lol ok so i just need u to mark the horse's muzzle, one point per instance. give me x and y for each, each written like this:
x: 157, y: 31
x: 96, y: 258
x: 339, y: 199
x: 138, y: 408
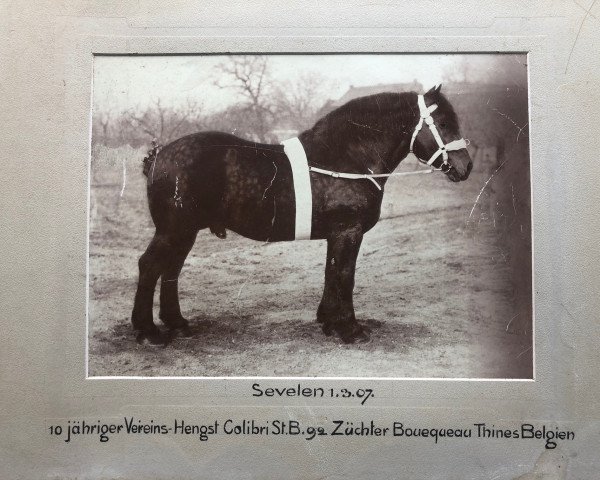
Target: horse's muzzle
x: 455, y: 176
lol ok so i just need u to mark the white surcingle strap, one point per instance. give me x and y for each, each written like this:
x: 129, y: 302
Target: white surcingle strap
x: 302, y: 190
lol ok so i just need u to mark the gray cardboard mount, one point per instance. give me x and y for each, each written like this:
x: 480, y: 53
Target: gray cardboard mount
x: 46, y: 57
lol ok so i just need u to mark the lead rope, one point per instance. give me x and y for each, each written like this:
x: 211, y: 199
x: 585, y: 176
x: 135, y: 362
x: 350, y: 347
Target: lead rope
x: 367, y: 176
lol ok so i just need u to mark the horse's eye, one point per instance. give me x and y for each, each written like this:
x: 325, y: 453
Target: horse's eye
x: 443, y: 125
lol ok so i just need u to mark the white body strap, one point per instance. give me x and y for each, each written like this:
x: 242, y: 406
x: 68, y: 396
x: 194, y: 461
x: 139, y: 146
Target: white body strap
x: 302, y: 189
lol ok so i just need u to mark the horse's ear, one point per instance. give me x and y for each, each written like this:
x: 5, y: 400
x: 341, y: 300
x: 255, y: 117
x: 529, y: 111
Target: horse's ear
x: 435, y: 89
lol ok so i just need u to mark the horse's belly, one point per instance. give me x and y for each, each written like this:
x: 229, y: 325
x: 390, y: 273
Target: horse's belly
x: 258, y: 201
x: 260, y: 222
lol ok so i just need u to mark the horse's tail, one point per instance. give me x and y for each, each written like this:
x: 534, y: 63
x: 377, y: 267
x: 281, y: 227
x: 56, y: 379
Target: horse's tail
x: 151, y: 157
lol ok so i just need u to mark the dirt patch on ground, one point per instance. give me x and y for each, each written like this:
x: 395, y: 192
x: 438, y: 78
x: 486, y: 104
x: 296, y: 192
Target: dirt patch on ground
x: 433, y: 283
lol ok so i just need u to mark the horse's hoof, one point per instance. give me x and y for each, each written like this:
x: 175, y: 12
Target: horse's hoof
x: 219, y: 231
x: 359, y: 334
x: 363, y: 338
x: 173, y: 321
x: 152, y: 339
x: 180, y: 332
x: 327, y: 328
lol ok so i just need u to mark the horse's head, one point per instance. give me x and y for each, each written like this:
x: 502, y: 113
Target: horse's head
x: 440, y: 145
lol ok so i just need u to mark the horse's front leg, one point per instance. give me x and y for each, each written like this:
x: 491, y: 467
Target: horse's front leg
x: 336, y: 310
x: 329, y: 302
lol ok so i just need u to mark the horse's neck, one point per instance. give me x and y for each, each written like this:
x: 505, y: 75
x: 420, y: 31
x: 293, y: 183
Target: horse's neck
x: 378, y: 151
x: 393, y: 156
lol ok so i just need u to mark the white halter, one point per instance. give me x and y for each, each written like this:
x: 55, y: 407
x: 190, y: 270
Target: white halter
x: 443, y: 148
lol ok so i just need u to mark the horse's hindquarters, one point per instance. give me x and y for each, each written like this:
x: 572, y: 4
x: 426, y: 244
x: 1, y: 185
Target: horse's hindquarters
x: 220, y: 181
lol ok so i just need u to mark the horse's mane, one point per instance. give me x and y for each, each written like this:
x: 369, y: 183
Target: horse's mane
x: 373, y: 108
x: 370, y: 108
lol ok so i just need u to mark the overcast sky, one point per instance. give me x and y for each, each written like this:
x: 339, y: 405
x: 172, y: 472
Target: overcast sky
x: 123, y: 82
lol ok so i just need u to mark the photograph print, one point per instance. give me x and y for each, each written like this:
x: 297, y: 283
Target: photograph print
x: 339, y: 215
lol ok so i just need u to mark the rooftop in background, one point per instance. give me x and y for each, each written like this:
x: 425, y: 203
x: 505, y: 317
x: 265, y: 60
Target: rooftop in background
x: 356, y: 92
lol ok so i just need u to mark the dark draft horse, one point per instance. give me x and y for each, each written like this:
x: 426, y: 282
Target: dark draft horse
x: 218, y: 181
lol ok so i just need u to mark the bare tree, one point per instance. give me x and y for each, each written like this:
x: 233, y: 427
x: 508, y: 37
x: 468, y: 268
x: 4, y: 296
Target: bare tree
x: 248, y: 75
x: 166, y: 124
x: 297, y: 103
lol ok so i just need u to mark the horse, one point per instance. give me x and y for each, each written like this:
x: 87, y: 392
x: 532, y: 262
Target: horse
x: 222, y: 182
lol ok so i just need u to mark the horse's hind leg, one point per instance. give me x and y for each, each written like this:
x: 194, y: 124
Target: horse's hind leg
x: 170, y: 312
x: 150, y: 264
x: 164, y: 256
